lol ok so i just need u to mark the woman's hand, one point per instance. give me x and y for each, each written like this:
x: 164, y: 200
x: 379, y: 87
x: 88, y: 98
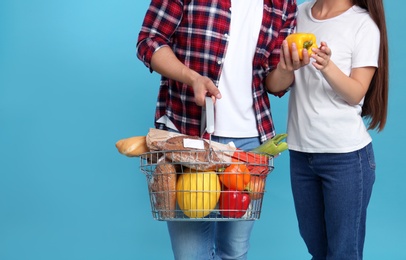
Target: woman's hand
x: 351, y: 88
x: 321, y: 56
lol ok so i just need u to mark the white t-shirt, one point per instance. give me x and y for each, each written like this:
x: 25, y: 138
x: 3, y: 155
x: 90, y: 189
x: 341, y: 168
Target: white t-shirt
x: 234, y: 113
x: 319, y: 120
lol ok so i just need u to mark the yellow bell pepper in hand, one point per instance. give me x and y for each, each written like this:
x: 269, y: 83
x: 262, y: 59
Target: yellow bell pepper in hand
x: 302, y: 41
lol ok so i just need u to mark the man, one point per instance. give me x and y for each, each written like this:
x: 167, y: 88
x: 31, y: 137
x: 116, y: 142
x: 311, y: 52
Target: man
x: 233, y: 51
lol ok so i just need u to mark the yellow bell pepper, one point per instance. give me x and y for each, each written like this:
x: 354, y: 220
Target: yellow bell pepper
x: 197, y: 192
x: 302, y: 41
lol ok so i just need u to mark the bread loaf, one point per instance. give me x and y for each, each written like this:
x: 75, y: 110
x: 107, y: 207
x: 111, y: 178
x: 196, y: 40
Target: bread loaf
x: 201, y: 159
x: 133, y: 146
x: 162, y: 187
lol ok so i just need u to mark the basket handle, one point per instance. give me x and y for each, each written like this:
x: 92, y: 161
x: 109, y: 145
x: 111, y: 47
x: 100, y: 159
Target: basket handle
x: 207, y: 119
x: 209, y: 115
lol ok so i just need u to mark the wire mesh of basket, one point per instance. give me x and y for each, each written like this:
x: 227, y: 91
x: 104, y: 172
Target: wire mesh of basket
x: 206, y: 185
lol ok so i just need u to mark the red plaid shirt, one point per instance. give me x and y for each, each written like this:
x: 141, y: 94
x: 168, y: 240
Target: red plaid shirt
x: 197, y: 33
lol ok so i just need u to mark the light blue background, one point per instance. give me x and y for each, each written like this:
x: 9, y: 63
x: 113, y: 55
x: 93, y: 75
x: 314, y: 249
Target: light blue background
x: 71, y: 86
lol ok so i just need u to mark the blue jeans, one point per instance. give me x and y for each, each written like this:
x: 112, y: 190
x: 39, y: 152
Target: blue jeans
x: 211, y: 240
x: 331, y: 193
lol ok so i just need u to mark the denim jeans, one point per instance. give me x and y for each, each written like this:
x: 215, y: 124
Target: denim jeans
x: 331, y: 193
x: 211, y: 240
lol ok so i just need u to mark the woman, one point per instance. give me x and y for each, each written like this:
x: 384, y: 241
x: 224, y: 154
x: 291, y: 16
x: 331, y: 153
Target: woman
x: 331, y: 156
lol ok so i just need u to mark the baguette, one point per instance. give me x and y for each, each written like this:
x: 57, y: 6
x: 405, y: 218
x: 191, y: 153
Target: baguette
x: 132, y: 146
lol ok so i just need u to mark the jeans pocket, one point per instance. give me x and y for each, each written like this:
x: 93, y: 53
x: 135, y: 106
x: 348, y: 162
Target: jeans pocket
x: 370, y: 155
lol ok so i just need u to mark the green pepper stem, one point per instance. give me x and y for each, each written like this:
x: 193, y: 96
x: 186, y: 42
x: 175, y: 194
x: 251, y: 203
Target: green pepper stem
x: 307, y: 44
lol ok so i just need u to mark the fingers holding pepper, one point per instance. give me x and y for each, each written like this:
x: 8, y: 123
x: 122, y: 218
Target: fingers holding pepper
x: 299, y: 46
x: 321, y: 56
x: 290, y: 59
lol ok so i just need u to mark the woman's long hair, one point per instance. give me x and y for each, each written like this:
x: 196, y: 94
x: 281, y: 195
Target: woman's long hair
x: 375, y: 105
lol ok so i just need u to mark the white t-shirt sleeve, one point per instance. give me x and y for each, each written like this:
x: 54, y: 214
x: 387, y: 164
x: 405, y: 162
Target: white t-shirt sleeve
x: 366, y: 51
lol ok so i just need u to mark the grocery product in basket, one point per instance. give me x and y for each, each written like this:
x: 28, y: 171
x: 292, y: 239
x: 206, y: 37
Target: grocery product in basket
x: 198, y: 156
x: 156, y: 138
x: 256, y: 187
x: 257, y: 159
x: 132, y: 146
x: 162, y: 187
x: 233, y: 204
x: 273, y: 146
x: 236, y: 176
x: 197, y: 192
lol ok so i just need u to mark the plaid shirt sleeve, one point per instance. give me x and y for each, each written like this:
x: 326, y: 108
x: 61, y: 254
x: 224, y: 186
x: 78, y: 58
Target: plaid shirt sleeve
x: 290, y: 12
x: 278, y: 22
x: 287, y: 23
x: 160, y: 23
x: 196, y: 31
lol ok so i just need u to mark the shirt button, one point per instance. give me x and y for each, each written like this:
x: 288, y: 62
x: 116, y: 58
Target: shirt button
x: 219, y: 61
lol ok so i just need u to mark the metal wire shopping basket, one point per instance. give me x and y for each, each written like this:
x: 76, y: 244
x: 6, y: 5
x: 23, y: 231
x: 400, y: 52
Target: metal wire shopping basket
x: 202, y: 185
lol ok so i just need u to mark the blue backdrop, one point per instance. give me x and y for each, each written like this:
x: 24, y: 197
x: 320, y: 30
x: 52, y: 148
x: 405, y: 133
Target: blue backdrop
x: 71, y: 86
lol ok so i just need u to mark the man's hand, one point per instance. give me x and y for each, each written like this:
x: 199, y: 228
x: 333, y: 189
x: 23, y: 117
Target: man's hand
x: 290, y: 61
x: 282, y: 77
x: 203, y: 87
